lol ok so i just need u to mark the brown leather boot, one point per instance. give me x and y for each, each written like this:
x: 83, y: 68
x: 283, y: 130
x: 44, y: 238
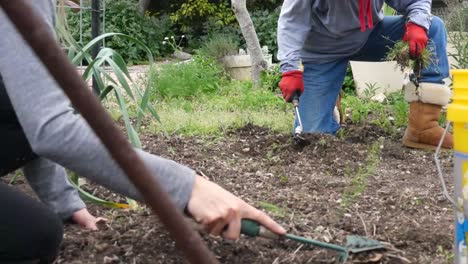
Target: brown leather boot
x: 423, y: 131
x: 337, y: 112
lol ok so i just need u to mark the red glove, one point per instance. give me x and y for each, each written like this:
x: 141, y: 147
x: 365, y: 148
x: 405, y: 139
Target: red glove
x: 416, y: 36
x: 291, y: 83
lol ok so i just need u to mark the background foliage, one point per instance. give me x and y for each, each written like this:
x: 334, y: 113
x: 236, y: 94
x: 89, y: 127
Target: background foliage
x: 123, y: 16
x: 198, y: 20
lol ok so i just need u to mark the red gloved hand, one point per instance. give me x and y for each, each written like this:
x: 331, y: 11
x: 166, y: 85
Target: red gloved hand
x: 416, y: 36
x: 291, y: 83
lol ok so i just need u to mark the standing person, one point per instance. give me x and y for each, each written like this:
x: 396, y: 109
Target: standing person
x: 326, y: 34
x: 50, y: 137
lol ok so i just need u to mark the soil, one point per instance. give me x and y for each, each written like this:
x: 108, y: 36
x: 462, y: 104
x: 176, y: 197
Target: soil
x: 326, y: 190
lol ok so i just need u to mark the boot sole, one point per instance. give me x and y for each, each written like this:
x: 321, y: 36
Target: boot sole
x: 423, y: 146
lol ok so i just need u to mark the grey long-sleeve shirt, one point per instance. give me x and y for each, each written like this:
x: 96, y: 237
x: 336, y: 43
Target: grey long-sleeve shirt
x: 50, y: 182
x: 57, y: 134
x: 321, y: 31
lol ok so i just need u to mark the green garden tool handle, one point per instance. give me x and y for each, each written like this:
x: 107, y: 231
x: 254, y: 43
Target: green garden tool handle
x: 254, y: 229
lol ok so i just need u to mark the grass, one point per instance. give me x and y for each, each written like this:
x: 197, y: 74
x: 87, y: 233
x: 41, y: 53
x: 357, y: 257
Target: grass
x: 235, y: 104
x: 232, y: 106
x: 198, y: 98
x: 357, y: 180
x: 446, y: 254
x: 272, y: 209
x: 401, y: 54
x: 389, y: 115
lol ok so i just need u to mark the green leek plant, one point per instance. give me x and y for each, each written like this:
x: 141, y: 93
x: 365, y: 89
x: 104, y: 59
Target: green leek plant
x: 112, y: 76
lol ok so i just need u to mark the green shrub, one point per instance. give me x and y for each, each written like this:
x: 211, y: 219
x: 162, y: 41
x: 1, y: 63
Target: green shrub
x: 400, y: 108
x: 254, y: 5
x: 266, y: 23
x: 212, y: 29
x: 348, y: 83
x: 260, y: 99
x: 242, y: 96
x: 122, y: 16
x: 270, y: 78
x: 219, y: 46
x: 188, y: 79
x: 193, y: 13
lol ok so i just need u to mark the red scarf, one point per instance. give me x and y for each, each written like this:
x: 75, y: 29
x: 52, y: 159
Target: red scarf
x: 370, y: 22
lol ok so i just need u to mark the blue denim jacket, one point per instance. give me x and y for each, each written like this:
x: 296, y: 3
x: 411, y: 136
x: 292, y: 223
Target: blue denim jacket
x: 321, y: 31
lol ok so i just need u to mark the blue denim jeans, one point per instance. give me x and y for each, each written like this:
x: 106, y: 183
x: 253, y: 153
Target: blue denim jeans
x: 322, y: 82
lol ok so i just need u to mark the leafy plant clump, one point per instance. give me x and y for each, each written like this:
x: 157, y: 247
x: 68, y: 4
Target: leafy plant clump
x: 193, y: 13
x: 348, y: 83
x: 401, y: 54
x: 109, y: 70
x: 220, y: 45
x: 201, y: 75
x: 123, y: 16
x: 271, y: 78
x: 266, y: 22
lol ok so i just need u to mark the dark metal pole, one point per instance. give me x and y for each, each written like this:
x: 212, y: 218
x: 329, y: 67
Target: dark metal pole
x: 95, y: 32
x: 38, y: 35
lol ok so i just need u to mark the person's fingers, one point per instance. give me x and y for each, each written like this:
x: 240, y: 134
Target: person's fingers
x: 92, y: 226
x: 252, y: 213
x: 220, y: 225
x: 101, y: 219
x: 233, y: 229
x: 92, y: 223
x: 217, y: 228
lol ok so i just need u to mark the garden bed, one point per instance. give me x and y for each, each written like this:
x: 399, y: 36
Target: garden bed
x: 363, y: 183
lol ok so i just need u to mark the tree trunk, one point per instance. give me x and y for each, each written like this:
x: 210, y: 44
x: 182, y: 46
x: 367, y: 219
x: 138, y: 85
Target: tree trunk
x: 250, y: 36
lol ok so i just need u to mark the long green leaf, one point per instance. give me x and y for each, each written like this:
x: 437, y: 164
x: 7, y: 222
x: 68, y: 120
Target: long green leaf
x: 106, y: 54
x: 120, y: 74
x: 150, y: 108
x: 101, y: 58
x: 74, y: 180
x: 133, y: 136
x: 105, y: 92
x: 96, y: 200
x: 87, y: 49
x: 145, y: 99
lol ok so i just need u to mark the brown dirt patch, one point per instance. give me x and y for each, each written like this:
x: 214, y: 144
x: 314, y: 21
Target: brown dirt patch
x: 401, y: 203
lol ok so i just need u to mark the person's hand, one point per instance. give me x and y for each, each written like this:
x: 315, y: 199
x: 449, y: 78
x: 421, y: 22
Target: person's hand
x: 83, y: 218
x: 416, y: 36
x: 291, y: 83
x: 220, y: 212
